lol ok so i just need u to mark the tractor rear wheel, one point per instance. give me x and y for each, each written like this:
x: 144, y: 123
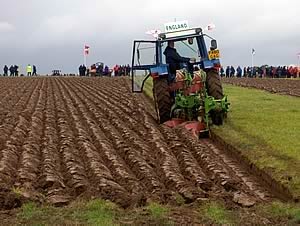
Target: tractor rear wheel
x: 214, y: 89
x: 162, y: 99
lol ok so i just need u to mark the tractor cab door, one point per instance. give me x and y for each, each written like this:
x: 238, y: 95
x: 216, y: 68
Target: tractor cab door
x: 144, y: 58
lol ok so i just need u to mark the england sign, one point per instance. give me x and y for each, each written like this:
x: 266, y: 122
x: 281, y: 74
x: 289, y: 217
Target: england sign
x: 176, y: 26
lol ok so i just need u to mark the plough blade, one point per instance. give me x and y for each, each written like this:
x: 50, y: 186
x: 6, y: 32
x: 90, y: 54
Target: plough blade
x: 197, y: 129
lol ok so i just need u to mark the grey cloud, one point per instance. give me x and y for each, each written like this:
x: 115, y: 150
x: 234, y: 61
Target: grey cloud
x: 6, y: 27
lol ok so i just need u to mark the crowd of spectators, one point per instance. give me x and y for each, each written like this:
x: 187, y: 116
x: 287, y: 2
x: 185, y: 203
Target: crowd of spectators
x: 13, y: 71
x: 101, y: 70
x: 264, y: 71
x: 121, y: 70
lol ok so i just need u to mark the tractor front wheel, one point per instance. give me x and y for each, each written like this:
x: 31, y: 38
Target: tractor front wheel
x: 162, y: 99
x: 214, y: 89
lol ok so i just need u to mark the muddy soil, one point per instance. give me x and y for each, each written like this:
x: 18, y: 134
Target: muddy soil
x: 68, y: 138
x: 281, y: 86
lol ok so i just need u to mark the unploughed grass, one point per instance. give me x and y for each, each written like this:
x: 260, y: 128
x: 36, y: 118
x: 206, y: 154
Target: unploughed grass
x: 266, y: 128
x: 148, y: 87
x: 100, y: 212
x: 94, y: 212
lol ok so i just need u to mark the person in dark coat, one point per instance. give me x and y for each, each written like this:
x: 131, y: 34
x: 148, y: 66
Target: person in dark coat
x: 80, y: 70
x: 34, y: 70
x: 5, y: 70
x: 227, y: 71
x: 83, y: 70
x: 239, y: 72
x: 278, y: 72
x: 106, y: 71
x: 284, y: 72
x: 249, y: 72
x: 271, y: 71
x: 16, y: 70
x: 232, y: 71
x: 174, y: 60
x: 12, y: 70
x: 254, y: 72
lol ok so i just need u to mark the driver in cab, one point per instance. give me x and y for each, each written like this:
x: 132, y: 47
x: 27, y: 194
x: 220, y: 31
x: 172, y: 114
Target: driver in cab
x: 174, y: 59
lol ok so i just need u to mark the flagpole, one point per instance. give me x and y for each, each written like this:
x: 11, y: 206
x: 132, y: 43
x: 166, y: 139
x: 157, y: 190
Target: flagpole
x: 84, y: 59
x: 298, y: 68
x: 252, y: 69
x: 84, y: 56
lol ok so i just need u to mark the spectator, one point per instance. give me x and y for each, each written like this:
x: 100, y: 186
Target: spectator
x: 93, y: 70
x: 5, y: 70
x: 100, y: 69
x: 264, y: 72
x: 260, y: 71
x: 116, y: 70
x: 16, y: 70
x: 122, y: 71
x: 239, y: 72
x: 83, y: 70
x: 268, y: 71
x: 227, y: 71
x: 128, y: 69
x: 245, y: 72
x: 279, y: 71
x: 34, y: 70
x: 106, y: 71
x: 222, y: 72
x: 12, y: 70
x: 29, y: 70
x: 249, y: 71
x: 254, y: 72
x: 289, y: 72
x: 284, y: 72
x: 232, y: 71
x: 274, y: 71
x: 80, y: 70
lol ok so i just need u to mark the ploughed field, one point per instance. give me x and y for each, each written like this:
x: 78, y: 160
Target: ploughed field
x: 280, y: 86
x: 67, y: 138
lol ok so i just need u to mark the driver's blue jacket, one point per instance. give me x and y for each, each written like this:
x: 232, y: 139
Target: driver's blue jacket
x: 174, y: 59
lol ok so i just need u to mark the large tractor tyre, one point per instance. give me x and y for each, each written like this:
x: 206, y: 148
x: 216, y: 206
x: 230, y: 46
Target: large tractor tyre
x: 213, y: 83
x: 214, y: 89
x: 162, y: 99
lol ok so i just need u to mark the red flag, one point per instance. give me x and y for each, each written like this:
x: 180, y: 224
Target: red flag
x: 86, y: 50
x: 210, y: 27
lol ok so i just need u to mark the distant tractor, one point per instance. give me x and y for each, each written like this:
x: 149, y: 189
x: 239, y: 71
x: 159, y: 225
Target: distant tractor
x: 98, y: 69
x: 56, y: 73
x: 192, y: 96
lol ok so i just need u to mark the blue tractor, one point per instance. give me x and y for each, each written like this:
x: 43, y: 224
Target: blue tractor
x: 193, y: 95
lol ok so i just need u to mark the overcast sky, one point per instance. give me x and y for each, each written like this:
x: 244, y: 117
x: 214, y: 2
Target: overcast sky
x: 51, y: 33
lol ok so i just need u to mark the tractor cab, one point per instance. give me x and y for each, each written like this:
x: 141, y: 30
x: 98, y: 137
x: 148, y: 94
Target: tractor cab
x: 148, y: 54
x: 190, y: 92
